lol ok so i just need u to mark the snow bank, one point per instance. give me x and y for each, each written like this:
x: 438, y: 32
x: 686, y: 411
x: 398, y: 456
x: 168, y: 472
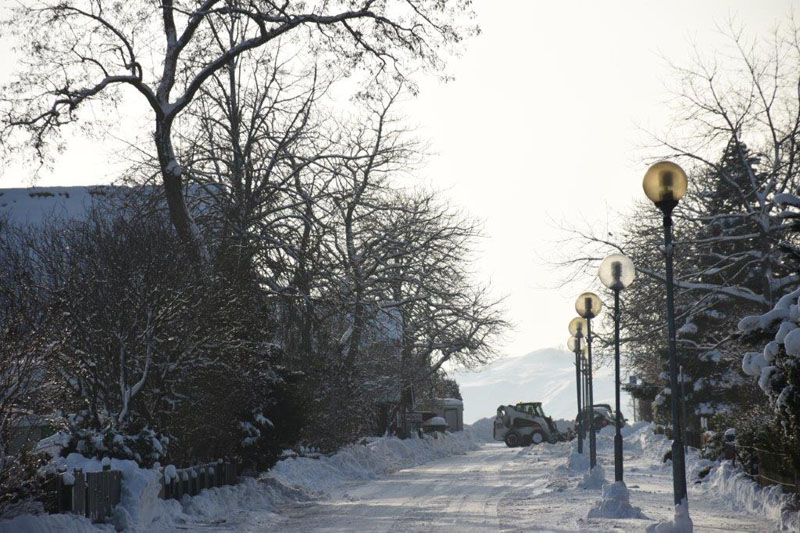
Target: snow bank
x: 724, y: 481
x: 139, y: 502
x: 732, y: 484
x: 681, y: 523
x: 51, y: 523
x: 363, y: 462
x: 483, y: 430
x: 615, y: 503
x: 215, y: 505
x: 293, y: 479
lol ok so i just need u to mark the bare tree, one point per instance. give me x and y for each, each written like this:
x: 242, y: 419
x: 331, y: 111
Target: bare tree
x: 80, y: 51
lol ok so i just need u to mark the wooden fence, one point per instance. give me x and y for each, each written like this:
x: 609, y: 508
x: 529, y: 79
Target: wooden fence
x: 91, y: 494
x: 196, y: 478
x: 765, y: 468
x: 94, y: 494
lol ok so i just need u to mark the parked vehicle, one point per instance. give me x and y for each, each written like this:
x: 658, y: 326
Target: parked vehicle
x: 524, y: 424
x: 603, y: 416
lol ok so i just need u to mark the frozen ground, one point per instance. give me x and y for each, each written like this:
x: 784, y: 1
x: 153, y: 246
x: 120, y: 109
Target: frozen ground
x: 461, y: 484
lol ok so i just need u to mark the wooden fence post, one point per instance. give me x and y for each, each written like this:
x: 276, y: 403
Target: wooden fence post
x: 63, y: 494
x: 79, y: 492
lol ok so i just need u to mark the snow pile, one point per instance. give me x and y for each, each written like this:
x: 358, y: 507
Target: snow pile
x: 578, y: 462
x: 361, y: 462
x: 681, y: 523
x: 594, y: 478
x: 290, y: 480
x: 213, y: 505
x: 615, y: 503
x: 483, y: 430
x: 643, y: 441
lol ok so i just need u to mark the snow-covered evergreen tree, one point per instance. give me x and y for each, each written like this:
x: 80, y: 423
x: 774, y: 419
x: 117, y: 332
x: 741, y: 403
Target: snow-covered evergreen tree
x: 777, y: 365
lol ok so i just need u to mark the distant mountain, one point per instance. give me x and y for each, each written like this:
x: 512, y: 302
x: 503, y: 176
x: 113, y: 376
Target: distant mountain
x: 546, y: 376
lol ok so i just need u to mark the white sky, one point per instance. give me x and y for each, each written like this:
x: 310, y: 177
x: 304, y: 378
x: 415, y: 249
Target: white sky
x: 543, y: 122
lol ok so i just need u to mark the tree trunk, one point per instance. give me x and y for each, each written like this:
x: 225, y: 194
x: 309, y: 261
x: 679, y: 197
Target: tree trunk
x: 172, y: 175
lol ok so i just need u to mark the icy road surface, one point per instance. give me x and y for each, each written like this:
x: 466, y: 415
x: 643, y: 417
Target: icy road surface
x: 499, y: 489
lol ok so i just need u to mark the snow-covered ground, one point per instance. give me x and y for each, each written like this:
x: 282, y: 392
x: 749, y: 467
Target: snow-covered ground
x: 459, y: 483
x: 546, y: 376
x: 495, y: 488
x: 253, y: 504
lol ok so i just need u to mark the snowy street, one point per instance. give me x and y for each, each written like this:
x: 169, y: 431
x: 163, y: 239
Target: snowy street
x: 459, y: 482
x: 495, y: 488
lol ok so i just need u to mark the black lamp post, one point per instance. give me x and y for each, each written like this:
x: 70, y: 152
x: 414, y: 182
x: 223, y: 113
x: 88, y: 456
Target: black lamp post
x: 617, y: 272
x: 578, y: 328
x: 574, y: 344
x: 665, y: 183
x: 585, y: 372
x: 588, y: 306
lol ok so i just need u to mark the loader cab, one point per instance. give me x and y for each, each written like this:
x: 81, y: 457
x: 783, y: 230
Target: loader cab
x: 532, y: 408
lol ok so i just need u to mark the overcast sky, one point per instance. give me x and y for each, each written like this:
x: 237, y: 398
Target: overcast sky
x: 543, y: 123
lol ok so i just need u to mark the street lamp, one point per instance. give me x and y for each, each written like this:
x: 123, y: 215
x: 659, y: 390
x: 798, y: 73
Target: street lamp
x: 589, y: 306
x: 617, y: 272
x: 574, y: 344
x: 578, y: 327
x: 665, y: 183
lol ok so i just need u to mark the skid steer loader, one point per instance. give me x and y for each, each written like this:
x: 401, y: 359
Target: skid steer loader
x: 524, y: 424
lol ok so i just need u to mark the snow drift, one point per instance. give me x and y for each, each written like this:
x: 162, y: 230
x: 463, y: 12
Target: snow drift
x: 290, y: 480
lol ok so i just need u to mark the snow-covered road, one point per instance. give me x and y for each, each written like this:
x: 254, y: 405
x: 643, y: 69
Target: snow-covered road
x: 455, y: 483
x: 461, y: 493
x: 499, y: 489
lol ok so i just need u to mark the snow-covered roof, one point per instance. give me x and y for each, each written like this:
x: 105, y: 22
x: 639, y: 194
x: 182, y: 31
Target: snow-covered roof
x: 451, y: 402
x: 37, y: 205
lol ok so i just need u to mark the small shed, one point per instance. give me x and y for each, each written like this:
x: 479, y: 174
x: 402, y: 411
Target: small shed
x: 26, y: 429
x: 452, y: 410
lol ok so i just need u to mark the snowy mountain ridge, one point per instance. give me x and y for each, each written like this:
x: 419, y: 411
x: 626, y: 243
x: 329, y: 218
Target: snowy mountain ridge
x: 546, y: 375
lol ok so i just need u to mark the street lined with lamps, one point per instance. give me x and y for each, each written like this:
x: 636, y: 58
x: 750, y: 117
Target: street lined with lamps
x: 574, y: 344
x: 664, y: 183
x: 578, y: 328
x: 588, y: 307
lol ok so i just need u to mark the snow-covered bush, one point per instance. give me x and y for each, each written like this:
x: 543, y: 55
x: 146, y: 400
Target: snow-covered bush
x: 148, y: 356
x: 777, y: 365
x: 129, y: 323
x: 145, y: 447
